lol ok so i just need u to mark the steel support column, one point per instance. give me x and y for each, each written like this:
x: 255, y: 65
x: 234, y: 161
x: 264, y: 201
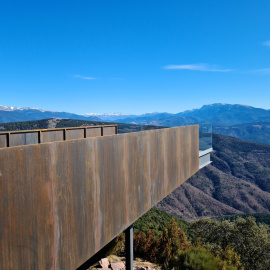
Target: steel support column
x: 129, y: 247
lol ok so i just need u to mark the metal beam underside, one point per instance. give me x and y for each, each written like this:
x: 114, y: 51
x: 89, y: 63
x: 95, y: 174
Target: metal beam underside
x: 204, y: 158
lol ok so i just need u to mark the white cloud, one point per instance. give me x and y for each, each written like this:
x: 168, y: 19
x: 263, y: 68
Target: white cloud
x: 84, y: 77
x: 266, y: 43
x: 262, y: 71
x: 198, y: 67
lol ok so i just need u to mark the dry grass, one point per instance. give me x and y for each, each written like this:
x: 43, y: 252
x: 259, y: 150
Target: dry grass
x: 114, y: 258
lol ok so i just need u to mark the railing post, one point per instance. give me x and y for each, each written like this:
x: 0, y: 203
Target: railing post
x: 129, y: 247
x: 8, y: 140
x: 39, y: 136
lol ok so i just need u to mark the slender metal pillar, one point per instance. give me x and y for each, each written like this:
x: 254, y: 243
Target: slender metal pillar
x: 129, y: 247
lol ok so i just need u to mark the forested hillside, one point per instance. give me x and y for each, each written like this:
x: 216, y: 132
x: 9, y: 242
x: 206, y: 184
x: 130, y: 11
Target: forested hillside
x: 206, y: 244
x: 255, y: 132
x: 259, y: 218
x: 61, y: 123
x: 237, y: 182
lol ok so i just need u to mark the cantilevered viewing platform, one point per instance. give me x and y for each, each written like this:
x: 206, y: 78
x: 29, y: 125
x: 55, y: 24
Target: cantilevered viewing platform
x: 66, y: 193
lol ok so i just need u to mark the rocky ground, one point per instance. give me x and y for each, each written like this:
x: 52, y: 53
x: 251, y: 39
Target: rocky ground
x: 118, y: 263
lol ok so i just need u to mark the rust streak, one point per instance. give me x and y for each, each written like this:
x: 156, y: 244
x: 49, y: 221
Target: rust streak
x: 65, y: 200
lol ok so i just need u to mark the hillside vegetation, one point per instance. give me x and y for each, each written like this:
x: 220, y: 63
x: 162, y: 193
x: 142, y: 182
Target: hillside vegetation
x: 236, y: 182
x: 258, y: 217
x: 218, y: 245
x: 62, y: 123
x: 157, y: 220
x: 255, y: 132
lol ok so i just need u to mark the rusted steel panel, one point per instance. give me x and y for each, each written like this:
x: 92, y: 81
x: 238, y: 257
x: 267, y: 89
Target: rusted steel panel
x: 112, y: 176
x: 157, y: 166
x: 75, y: 199
x: 3, y: 140
x: 74, y: 134
x: 93, y: 132
x: 26, y: 208
x: 172, y: 156
x: 61, y: 202
x: 108, y: 131
x: 17, y: 139
x: 52, y: 136
x: 138, y: 174
x: 23, y: 139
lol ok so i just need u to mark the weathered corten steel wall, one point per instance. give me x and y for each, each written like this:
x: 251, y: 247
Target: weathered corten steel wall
x: 61, y: 202
x: 26, y: 137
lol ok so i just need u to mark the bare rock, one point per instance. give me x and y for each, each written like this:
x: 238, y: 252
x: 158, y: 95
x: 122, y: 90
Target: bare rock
x: 117, y: 266
x: 104, y: 263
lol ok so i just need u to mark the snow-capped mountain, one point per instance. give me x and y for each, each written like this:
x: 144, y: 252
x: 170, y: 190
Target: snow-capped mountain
x: 10, y: 109
x: 219, y: 114
x: 15, y: 114
x: 110, y: 116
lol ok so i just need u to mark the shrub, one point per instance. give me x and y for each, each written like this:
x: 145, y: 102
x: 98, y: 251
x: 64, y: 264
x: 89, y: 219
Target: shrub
x: 249, y: 240
x: 199, y: 258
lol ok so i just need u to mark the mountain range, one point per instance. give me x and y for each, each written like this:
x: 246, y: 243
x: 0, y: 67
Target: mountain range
x: 240, y: 121
x: 219, y: 114
x: 15, y: 114
x: 111, y: 116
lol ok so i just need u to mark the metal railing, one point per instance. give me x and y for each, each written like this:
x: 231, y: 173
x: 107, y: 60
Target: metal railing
x: 26, y: 137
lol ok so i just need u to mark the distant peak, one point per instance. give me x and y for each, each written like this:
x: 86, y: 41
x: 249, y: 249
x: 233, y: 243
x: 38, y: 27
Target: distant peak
x: 247, y: 106
x: 8, y: 108
x: 226, y: 104
x: 105, y: 114
x: 216, y: 104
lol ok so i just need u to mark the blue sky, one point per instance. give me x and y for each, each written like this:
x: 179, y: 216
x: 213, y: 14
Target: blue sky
x: 134, y: 56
